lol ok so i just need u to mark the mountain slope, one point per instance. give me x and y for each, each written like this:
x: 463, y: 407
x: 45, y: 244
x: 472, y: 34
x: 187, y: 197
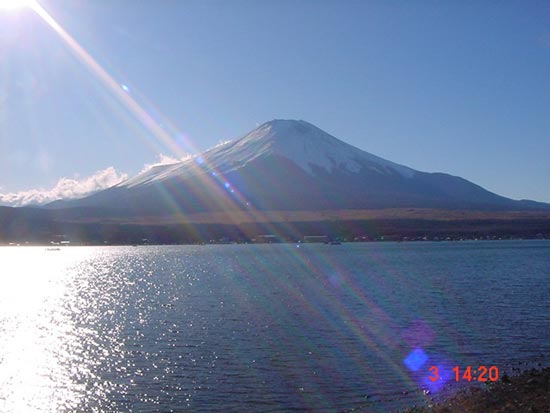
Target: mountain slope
x: 290, y: 165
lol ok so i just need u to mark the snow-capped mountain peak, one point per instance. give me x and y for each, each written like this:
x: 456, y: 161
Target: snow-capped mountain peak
x: 291, y: 165
x: 304, y: 144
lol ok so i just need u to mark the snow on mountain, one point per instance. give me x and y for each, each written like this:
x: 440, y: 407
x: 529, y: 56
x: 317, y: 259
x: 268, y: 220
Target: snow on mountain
x: 305, y: 145
x: 151, y: 175
x: 290, y: 165
x: 299, y: 141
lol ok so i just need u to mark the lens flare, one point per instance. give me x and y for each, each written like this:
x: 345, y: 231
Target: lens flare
x: 119, y: 90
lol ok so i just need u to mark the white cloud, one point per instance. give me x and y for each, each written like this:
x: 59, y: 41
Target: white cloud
x: 165, y: 160
x: 220, y: 143
x: 65, y: 188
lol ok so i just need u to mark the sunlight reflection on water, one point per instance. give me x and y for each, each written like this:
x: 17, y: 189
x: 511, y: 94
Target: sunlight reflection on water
x: 47, y: 335
x: 260, y: 328
x: 35, y: 331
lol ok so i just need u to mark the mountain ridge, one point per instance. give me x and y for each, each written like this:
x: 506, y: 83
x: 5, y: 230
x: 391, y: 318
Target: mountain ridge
x: 291, y: 165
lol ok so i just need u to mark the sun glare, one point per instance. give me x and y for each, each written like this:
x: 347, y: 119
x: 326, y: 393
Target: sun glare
x: 15, y: 4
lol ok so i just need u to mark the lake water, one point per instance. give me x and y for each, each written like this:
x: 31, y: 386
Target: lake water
x: 263, y: 328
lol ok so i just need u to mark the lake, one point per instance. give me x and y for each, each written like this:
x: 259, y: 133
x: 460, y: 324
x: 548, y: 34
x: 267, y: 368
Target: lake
x: 264, y: 328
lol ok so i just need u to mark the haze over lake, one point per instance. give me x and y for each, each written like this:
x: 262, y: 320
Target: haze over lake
x: 263, y: 328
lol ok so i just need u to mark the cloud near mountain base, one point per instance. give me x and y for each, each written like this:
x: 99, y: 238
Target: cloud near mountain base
x: 74, y: 188
x: 164, y: 160
x: 66, y: 188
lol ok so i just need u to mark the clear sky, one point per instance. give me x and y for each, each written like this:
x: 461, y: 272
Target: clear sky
x: 461, y: 87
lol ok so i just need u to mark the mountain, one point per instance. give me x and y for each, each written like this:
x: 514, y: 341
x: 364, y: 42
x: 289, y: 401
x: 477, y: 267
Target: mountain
x: 290, y: 165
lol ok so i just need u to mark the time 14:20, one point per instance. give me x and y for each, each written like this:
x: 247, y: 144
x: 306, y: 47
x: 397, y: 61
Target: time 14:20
x: 482, y: 373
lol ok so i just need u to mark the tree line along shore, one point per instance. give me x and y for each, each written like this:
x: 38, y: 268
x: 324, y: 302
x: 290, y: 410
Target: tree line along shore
x: 131, y: 233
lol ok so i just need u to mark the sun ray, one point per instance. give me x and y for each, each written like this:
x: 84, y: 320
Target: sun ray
x: 120, y: 90
x: 213, y: 178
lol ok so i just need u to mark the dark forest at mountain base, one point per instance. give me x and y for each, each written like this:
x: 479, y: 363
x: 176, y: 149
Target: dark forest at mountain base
x: 112, y: 233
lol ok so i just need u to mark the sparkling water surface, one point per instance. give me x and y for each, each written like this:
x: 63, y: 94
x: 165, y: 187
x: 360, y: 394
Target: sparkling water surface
x: 263, y: 328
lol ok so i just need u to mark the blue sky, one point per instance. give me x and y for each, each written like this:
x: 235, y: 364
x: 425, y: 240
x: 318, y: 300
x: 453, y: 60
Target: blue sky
x: 461, y: 87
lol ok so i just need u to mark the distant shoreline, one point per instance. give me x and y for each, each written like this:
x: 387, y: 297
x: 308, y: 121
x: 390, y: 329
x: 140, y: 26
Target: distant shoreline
x: 300, y: 243
x: 44, y: 227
